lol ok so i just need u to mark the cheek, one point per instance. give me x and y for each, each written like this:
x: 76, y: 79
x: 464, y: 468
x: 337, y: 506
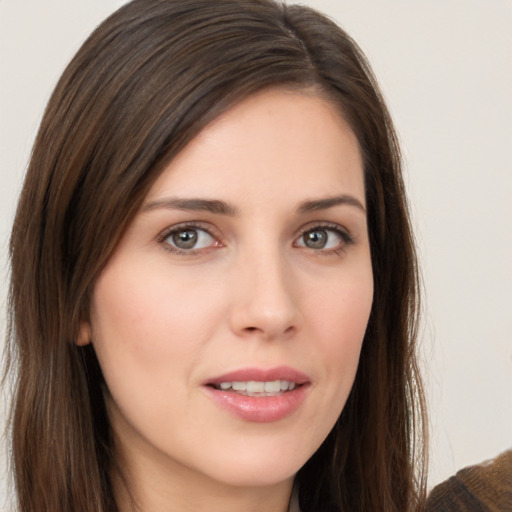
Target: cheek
x: 341, y: 310
x: 147, y: 328
x: 148, y: 310
x: 338, y: 318
x: 149, y: 331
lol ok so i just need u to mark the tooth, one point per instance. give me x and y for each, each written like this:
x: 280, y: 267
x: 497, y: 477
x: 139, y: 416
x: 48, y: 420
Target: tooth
x: 272, y: 387
x: 255, y: 387
x: 239, y: 386
x: 269, y: 387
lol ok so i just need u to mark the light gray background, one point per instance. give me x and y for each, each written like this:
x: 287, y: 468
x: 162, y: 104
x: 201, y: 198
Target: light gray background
x: 444, y: 66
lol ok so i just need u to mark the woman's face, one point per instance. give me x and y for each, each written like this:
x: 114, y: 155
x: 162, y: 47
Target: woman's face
x: 229, y: 320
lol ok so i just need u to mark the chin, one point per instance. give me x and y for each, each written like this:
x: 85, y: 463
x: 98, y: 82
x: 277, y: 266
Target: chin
x: 258, y: 466
x: 250, y: 475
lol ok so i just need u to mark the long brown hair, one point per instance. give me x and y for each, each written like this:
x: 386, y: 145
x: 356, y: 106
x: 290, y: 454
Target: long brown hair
x: 145, y: 82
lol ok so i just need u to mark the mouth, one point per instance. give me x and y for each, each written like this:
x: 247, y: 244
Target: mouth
x: 259, y: 395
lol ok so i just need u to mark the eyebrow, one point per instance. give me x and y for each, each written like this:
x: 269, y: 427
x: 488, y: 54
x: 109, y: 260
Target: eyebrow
x: 203, y: 205
x: 216, y: 206
x: 330, y: 202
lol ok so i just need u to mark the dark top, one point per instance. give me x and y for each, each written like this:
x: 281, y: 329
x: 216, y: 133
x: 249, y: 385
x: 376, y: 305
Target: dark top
x: 485, y: 487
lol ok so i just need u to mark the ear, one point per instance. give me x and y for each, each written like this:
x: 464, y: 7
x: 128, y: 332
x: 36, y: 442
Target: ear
x: 84, y: 334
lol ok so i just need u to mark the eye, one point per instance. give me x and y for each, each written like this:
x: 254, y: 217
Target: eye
x: 324, y: 238
x: 188, y: 239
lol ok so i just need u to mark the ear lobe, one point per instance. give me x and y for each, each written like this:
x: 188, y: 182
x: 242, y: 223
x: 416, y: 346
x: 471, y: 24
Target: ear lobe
x: 84, y: 334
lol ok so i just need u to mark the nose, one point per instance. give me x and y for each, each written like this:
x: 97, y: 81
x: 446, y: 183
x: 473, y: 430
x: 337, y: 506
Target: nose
x: 265, y: 298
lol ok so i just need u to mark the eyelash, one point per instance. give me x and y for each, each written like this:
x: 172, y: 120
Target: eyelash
x: 347, y: 239
x: 192, y: 226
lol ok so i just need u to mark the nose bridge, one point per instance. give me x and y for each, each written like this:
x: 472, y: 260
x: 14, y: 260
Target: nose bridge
x: 265, y: 301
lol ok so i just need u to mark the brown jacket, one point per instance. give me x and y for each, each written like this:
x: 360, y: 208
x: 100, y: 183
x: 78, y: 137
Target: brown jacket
x: 486, y: 487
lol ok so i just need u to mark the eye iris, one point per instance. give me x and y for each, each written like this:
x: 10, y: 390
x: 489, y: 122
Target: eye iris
x: 185, y: 239
x: 315, y: 239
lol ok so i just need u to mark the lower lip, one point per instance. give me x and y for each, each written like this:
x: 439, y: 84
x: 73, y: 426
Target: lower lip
x: 260, y: 409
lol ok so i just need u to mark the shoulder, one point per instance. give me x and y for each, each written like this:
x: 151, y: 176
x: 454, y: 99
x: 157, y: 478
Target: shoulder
x: 485, y: 487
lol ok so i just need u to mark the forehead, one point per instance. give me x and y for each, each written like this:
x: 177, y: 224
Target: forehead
x: 273, y: 143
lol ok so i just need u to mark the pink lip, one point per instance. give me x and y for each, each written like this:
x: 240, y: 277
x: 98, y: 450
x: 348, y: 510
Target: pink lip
x: 260, y: 409
x: 262, y: 375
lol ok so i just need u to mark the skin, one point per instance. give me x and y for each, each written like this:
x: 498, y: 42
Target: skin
x: 251, y: 293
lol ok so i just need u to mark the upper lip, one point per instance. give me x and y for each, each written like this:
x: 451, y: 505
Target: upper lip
x: 261, y: 375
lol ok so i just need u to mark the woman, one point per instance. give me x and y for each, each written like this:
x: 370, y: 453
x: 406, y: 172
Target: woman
x: 214, y: 287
